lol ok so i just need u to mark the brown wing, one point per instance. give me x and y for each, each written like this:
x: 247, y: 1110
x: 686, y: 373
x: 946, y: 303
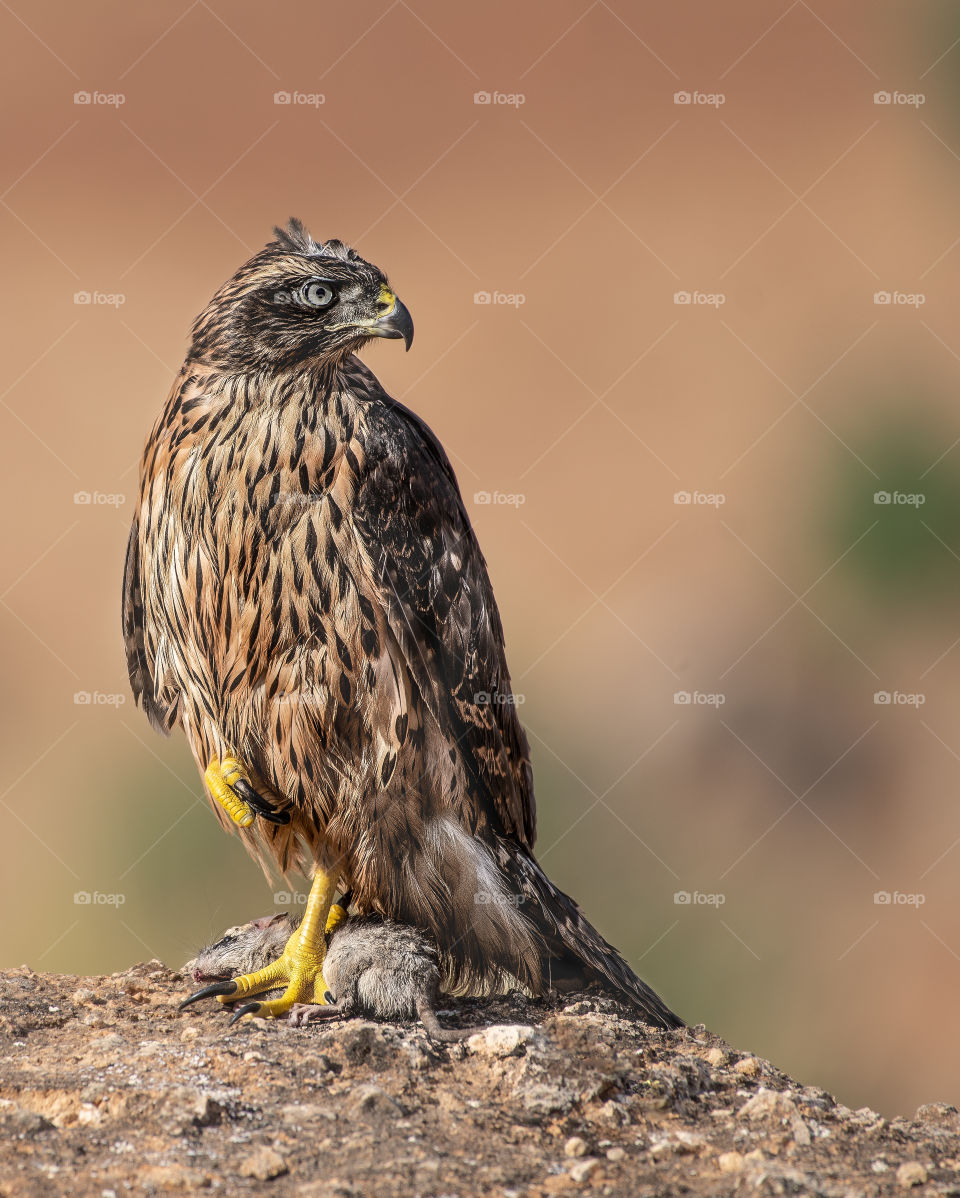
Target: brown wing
x: 161, y: 715
x: 432, y: 582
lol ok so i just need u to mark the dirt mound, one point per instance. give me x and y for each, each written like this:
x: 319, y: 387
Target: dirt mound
x: 106, y: 1089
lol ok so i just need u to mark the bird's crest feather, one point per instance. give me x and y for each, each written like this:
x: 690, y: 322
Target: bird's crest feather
x: 295, y: 238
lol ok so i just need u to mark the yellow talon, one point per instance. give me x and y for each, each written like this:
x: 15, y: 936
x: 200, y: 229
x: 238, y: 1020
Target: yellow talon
x: 336, y: 917
x: 220, y: 777
x: 300, y: 965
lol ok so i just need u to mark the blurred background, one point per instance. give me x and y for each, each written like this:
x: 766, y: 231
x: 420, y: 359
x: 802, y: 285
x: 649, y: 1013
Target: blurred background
x: 684, y: 281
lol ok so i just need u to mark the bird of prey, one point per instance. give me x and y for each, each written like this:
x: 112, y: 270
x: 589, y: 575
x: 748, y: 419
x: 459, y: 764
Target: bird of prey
x: 305, y: 597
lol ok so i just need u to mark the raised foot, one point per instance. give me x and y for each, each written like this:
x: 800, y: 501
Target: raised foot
x: 230, y: 784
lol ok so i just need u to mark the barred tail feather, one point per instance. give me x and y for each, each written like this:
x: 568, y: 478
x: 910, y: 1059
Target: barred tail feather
x: 576, y: 953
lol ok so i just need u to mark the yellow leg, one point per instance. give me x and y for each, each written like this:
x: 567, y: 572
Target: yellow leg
x: 299, y: 967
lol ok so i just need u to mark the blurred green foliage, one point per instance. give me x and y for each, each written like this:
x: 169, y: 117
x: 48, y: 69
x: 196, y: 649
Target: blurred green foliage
x: 903, y: 521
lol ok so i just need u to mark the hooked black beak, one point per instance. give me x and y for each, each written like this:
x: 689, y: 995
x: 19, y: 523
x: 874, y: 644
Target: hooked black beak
x: 395, y: 323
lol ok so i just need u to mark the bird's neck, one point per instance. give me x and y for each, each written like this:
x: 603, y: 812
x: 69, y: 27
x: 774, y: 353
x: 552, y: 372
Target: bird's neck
x: 328, y: 387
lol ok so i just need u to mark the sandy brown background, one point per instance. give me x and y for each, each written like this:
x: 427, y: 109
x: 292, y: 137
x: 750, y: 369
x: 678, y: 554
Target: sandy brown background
x: 794, y: 798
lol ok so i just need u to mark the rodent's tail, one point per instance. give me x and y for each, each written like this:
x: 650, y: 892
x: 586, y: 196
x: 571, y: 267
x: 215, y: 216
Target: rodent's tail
x: 576, y: 954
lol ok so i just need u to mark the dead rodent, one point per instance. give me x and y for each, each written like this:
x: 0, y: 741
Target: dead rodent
x: 372, y: 967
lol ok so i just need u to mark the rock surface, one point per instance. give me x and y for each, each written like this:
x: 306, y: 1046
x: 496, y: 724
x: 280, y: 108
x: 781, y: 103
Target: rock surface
x: 107, y: 1090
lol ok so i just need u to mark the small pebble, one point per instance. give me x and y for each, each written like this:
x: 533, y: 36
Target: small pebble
x: 730, y: 1162
x: 579, y: 1008
x: 748, y: 1067
x: 616, y: 1154
x: 688, y: 1142
x: 583, y: 1170
x: 716, y: 1057
x: 500, y: 1040
x: 575, y: 1146
x: 263, y: 1165
x: 911, y: 1173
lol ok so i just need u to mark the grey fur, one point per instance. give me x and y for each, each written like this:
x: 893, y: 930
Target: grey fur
x: 373, y: 967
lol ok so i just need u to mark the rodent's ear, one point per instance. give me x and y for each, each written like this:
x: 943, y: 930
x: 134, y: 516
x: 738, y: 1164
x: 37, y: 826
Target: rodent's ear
x: 265, y: 921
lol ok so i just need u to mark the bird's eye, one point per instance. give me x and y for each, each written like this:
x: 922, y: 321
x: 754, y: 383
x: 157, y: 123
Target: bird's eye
x: 318, y: 294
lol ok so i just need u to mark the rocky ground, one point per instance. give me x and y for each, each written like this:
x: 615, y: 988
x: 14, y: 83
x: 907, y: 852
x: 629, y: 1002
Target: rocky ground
x: 106, y: 1089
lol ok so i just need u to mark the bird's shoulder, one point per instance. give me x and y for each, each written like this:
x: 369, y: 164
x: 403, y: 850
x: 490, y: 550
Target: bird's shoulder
x: 397, y: 440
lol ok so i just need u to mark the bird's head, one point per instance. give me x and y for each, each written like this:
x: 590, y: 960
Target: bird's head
x: 295, y: 302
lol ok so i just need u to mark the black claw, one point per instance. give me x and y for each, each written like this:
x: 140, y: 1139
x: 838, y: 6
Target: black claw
x: 329, y: 999
x: 260, y: 805
x: 250, y: 1008
x: 218, y: 988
